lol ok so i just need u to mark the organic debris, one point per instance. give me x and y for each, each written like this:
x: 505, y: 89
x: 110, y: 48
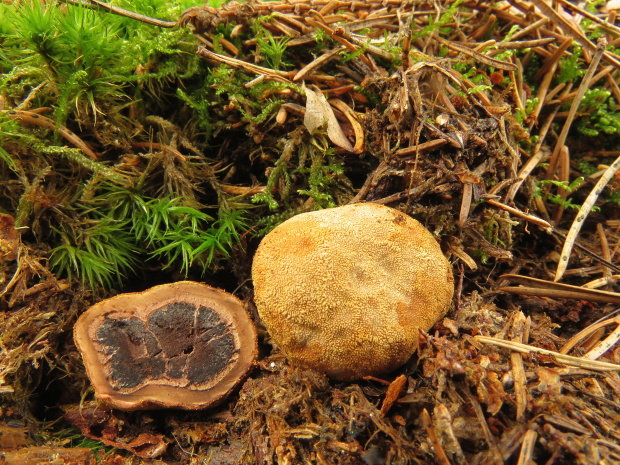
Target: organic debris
x: 136, y: 151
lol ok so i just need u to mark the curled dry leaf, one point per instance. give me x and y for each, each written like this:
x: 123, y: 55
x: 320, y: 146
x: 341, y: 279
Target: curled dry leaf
x: 111, y: 428
x: 393, y: 392
x: 318, y: 113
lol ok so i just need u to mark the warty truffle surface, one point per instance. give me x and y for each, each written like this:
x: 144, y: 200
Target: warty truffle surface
x: 345, y: 290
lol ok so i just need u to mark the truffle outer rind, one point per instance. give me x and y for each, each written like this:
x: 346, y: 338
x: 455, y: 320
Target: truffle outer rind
x: 345, y: 290
x: 164, y: 393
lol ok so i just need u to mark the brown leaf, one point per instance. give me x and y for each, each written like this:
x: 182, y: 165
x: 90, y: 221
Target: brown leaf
x: 319, y: 113
x: 393, y: 393
x: 96, y: 423
x: 12, y: 437
x: 147, y: 445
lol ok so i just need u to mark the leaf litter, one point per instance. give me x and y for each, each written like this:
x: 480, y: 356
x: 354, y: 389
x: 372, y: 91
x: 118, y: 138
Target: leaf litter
x: 453, y: 112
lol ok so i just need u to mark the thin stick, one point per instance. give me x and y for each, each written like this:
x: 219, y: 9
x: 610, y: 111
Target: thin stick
x: 583, y: 87
x: 605, y: 251
x: 557, y: 294
x: 533, y: 161
x: 30, y: 117
x: 588, y: 252
x: 320, y: 61
x: 423, y: 147
x: 563, y: 175
x: 590, y: 16
x: 553, y: 289
x: 274, y: 74
x: 605, y: 345
x: 570, y: 29
x: 604, y: 281
x: 468, y: 189
x: 499, y: 64
x: 518, y: 371
x: 559, y: 357
x: 519, y: 44
x: 533, y: 219
x: 123, y: 12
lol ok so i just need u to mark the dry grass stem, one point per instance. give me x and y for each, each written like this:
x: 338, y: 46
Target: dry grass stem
x: 526, y: 216
x: 557, y: 356
x: 585, y: 84
x: 582, y: 214
x: 527, y: 448
x: 35, y: 119
x: 542, y: 287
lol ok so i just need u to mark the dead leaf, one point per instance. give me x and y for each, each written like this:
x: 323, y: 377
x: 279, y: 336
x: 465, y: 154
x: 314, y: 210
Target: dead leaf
x: 394, y: 391
x: 12, y: 437
x: 147, y: 445
x: 105, y: 426
x: 319, y: 113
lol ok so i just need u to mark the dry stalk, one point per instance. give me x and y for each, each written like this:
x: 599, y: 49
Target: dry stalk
x: 35, y: 119
x: 557, y: 356
x: 572, y: 30
x: 585, y: 84
x: 563, y: 176
x: 587, y: 333
x: 601, y: 282
x: 533, y: 161
x: 541, y: 287
x: 526, y: 216
x: 527, y: 447
x: 582, y: 214
x: 605, y: 251
x: 519, y: 329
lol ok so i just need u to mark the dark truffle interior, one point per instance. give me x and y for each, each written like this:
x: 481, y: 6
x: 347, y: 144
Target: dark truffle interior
x: 180, y: 344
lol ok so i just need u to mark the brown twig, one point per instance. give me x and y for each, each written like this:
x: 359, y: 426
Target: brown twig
x: 541, y: 287
x: 559, y: 357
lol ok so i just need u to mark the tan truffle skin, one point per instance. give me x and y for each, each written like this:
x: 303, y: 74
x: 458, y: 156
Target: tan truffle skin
x: 345, y: 290
x: 167, y: 393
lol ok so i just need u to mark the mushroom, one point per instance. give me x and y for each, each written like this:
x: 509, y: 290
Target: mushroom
x: 180, y: 345
x: 345, y: 290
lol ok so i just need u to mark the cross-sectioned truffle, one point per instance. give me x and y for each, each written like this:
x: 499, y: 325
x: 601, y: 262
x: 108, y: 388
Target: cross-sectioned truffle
x: 180, y: 345
x: 345, y: 290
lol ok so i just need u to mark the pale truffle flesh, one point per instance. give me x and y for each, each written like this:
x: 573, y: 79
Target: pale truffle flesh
x: 345, y: 290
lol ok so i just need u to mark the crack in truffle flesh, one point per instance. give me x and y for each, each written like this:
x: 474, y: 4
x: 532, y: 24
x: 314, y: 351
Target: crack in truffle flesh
x: 179, y: 344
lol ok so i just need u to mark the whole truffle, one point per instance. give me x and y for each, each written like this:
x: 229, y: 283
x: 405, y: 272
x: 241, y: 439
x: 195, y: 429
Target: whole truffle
x: 345, y: 290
